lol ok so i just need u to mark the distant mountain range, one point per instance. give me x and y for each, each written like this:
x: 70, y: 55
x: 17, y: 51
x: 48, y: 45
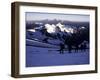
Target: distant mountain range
x: 39, y: 23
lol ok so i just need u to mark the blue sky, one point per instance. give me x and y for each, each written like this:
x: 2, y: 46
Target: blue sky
x: 32, y: 16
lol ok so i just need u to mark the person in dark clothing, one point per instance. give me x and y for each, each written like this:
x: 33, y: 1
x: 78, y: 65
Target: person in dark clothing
x: 81, y: 47
x: 62, y: 46
x: 84, y: 46
x: 69, y: 48
x: 76, y: 48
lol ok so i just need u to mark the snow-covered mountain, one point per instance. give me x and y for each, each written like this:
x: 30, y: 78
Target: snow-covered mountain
x: 56, y: 33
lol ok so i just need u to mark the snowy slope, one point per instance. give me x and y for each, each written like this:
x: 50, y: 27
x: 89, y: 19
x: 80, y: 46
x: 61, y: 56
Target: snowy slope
x: 39, y: 44
x: 38, y: 56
